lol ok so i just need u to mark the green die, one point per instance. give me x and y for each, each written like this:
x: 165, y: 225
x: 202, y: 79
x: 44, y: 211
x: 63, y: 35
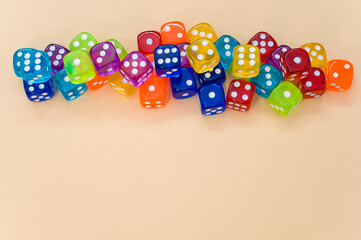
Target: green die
x: 79, y: 67
x: 119, y: 48
x: 83, y: 41
x: 284, y: 98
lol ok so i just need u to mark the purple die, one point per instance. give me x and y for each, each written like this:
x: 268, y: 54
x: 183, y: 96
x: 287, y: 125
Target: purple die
x: 275, y: 58
x: 56, y: 54
x: 105, y: 58
x: 136, y: 68
x: 184, y: 59
x: 39, y: 92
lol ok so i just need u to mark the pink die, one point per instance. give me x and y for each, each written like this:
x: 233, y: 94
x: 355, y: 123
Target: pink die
x: 105, y: 58
x: 184, y: 59
x: 136, y: 68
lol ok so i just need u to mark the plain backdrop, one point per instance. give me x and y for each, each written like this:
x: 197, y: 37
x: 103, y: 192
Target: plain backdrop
x: 103, y: 167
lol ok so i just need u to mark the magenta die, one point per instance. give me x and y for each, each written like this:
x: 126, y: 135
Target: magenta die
x: 275, y: 58
x: 105, y: 58
x: 184, y: 59
x: 136, y: 68
x: 56, y: 54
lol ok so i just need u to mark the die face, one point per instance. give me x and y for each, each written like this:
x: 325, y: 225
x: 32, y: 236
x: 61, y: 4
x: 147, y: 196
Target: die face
x: 202, y: 30
x: 265, y: 42
x: 240, y: 94
x: 79, y: 67
x: 119, y: 84
x: 17, y: 58
x: 202, y: 55
x: 148, y: 41
x: 56, y: 54
x: 185, y: 85
x: 246, y: 61
x: 295, y: 61
x: 275, y: 58
x: 314, y: 85
x: 339, y: 75
x: 167, y: 61
x: 152, y: 94
x: 225, y: 46
x: 284, y: 98
x: 136, y: 68
x: 217, y: 75
x: 39, y: 92
x: 317, y: 54
x: 212, y: 99
x: 268, y: 78
x: 83, y: 41
x: 105, y: 59
x: 118, y: 48
x: 69, y: 90
x: 183, y: 54
x: 173, y: 33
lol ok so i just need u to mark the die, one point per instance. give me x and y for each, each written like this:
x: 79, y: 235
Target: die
x: 119, y: 84
x: 246, y: 61
x: 225, y: 46
x: 268, y: 78
x: 148, y: 41
x: 97, y: 82
x: 202, y: 55
x: 32, y: 65
x: 339, y: 75
x: 39, y: 92
x: 317, y: 54
x: 83, y: 41
x: 173, y: 33
x: 152, y: 94
x: 185, y: 85
x: 56, y: 53
x: 79, y: 67
x: 105, y: 59
x: 167, y: 61
x: 295, y: 64
x: 265, y: 42
x: 136, y: 68
x: 69, y: 90
x: 119, y: 48
x: 217, y: 75
x: 212, y: 99
x: 240, y: 94
x: 284, y: 98
x: 314, y: 85
x: 275, y: 58
x: 183, y: 54
x: 202, y: 30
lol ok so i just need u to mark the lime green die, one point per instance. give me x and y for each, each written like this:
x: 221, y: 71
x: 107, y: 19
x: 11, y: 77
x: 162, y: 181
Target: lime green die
x: 119, y: 48
x: 284, y: 98
x: 83, y: 41
x: 79, y: 67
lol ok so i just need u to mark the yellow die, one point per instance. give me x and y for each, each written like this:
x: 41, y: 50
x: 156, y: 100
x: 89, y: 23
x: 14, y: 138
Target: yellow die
x: 246, y: 61
x: 202, y: 30
x: 118, y: 83
x: 202, y: 55
x: 317, y: 55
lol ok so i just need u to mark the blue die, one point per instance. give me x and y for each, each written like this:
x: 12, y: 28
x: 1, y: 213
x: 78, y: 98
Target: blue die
x: 69, y: 90
x: 225, y: 46
x: 268, y: 78
x: 32, y: 65
x: 39, y: 92
x: 212, y: 99
x: 167, y: 61
x: 217, y: 75
x: 185, y: 85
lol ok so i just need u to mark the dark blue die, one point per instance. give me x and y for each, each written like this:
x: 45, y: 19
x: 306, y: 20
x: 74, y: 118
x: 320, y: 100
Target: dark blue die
x: 167, y: 61
x: 225, y: 46
x: 268, y: 78
x: 217, y: 75
x: 185, y: 85
x: 69, y: 90
x: 39, y: 92
x: 212, y: 99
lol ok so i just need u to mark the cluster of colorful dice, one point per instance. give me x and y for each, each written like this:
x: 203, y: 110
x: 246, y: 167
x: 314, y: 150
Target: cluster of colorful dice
x: 190, y: 62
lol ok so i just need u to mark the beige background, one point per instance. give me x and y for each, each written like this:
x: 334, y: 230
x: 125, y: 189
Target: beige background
x: 102, y: 167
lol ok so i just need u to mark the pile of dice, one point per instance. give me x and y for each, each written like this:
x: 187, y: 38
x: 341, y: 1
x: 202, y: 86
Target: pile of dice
x: 193, y: 62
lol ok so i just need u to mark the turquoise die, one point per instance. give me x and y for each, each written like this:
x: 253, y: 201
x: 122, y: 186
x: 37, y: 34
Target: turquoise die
x: 225, y: 45
x: 69, y: 90
x: 268, y: 78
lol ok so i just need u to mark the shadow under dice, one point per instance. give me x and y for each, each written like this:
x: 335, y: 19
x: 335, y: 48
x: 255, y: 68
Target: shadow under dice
x: 268, y: 78
x: 225, y: 46
x: 185, y: 85
x: 240, y: 95
x: 148, y: 41
x: 317, y: 54
x: 203, y: 55
x: 265, y: 42
x: 39, y: 92
x: 275, y: 58
x: 56, y: 53
x: 339, y: 75
x: 79, y: 67
x: 152, y: 94
x: 167, y: 61
x: 69, y: 90
x: 212, y: 99
x: 119, y: 84
x: 217, y: 75
x: 284, y: 98
x: 202, y: 30
x: 314, y: 85
x: 105, y: 59
x: 246, y: 61
x: 122, y: 53
x: 83, y: 41
x: 173, y: 33
x: 295, y: 65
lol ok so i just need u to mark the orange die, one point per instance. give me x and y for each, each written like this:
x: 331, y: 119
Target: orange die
x: 152, y: 93
x: 339, y: 75
x: 97, y: 82
x: 173, y: 33
x: 120, y: 84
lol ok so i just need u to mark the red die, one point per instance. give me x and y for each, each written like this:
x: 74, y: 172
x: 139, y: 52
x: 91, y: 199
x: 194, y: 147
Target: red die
x: 148, y: 41
x: 266, y: 44
x: 314, y: 85
x: 240, y: 95
x: 173, y: 33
